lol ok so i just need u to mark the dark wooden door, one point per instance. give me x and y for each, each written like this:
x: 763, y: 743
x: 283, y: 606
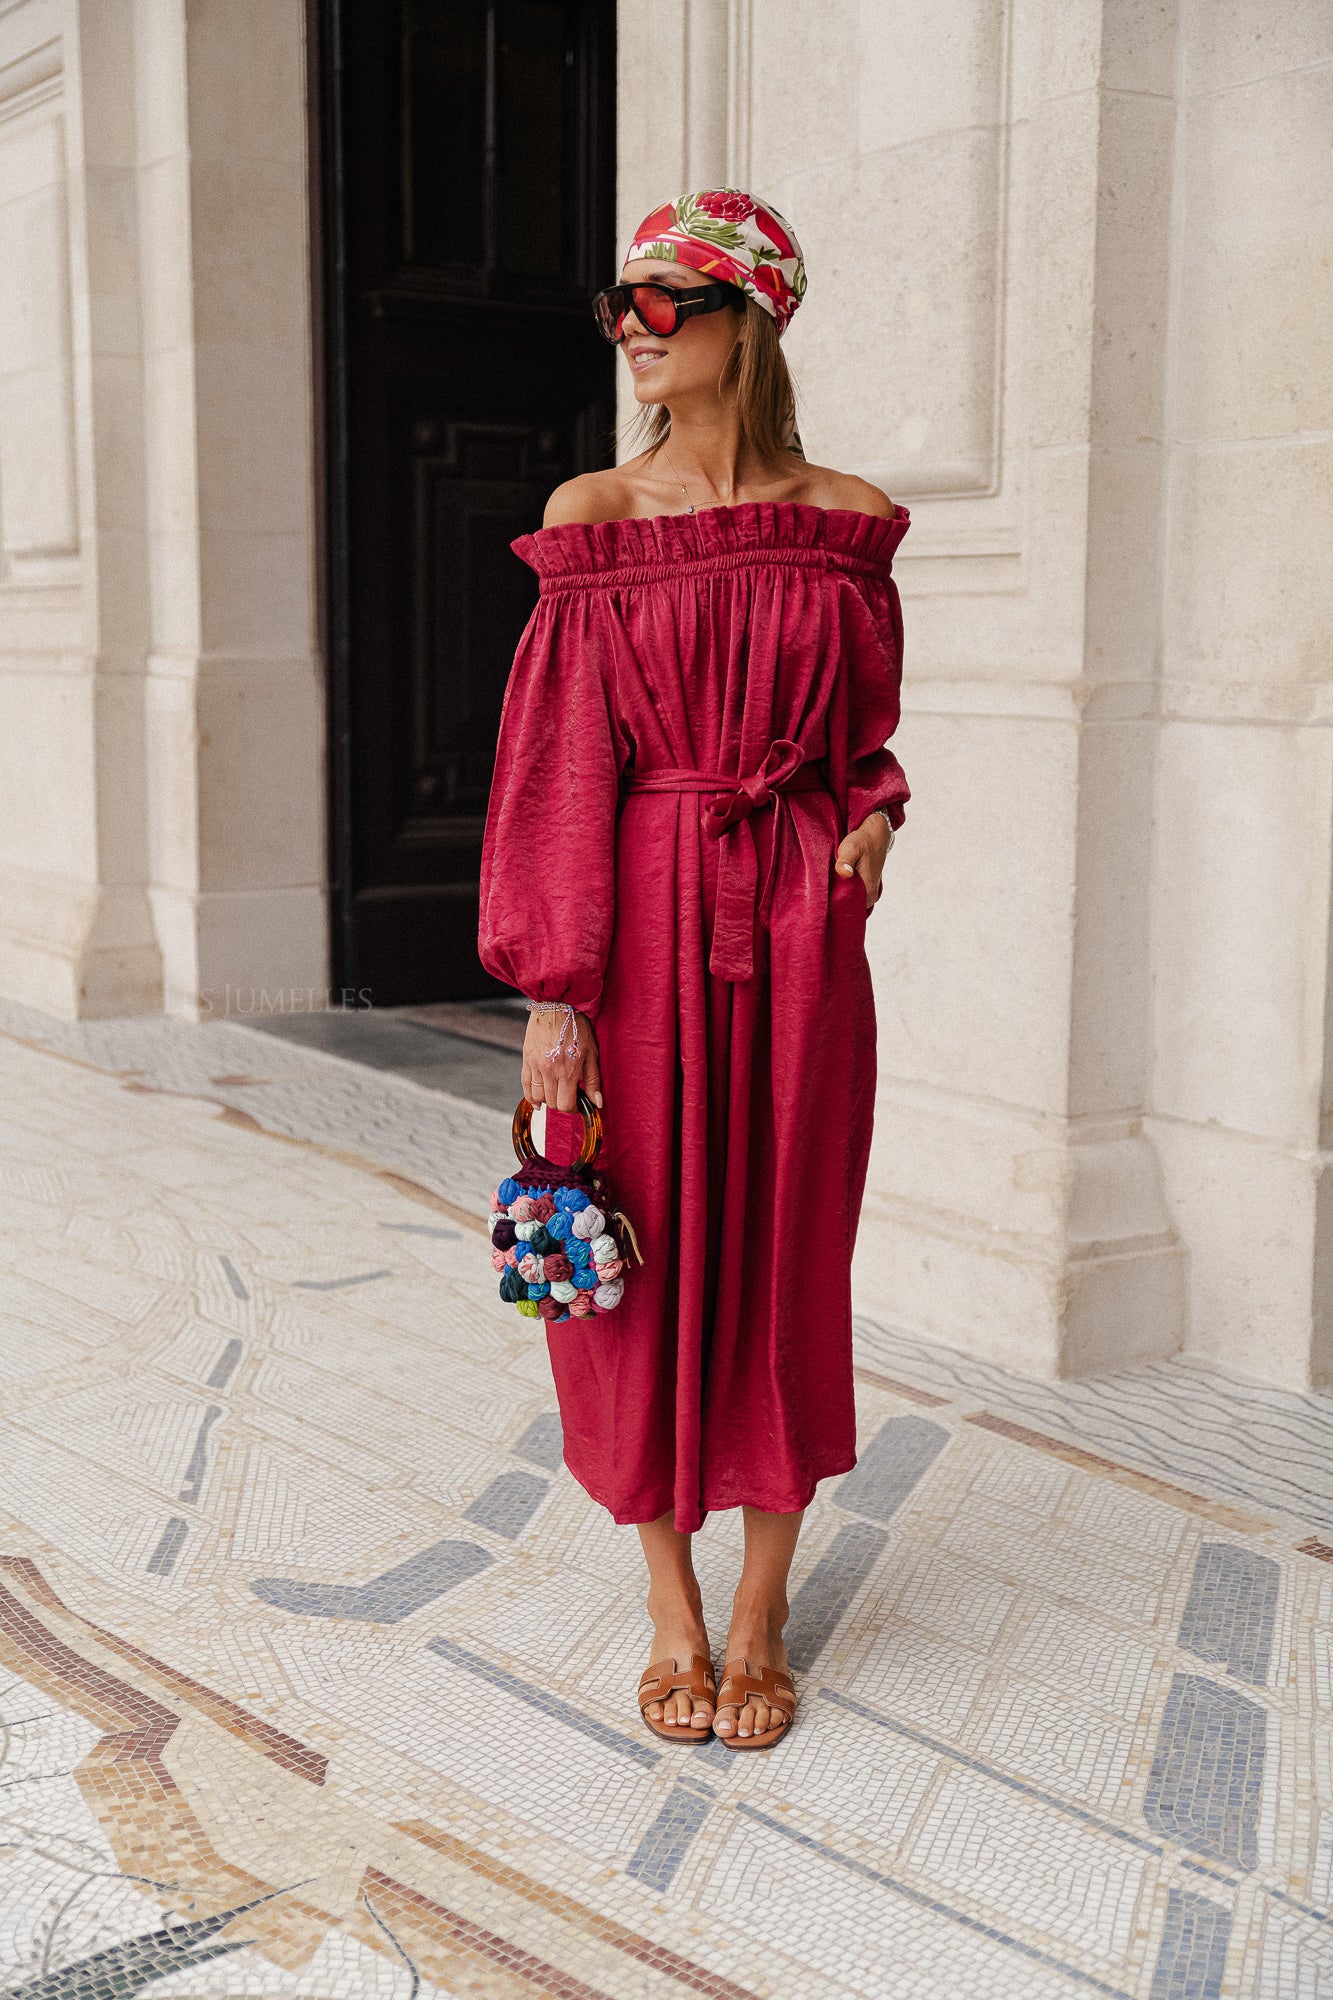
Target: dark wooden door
x: 467, y: 204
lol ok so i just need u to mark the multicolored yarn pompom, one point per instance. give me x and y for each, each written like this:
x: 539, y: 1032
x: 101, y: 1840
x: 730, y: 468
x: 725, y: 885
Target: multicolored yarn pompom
x: 554, y: 1251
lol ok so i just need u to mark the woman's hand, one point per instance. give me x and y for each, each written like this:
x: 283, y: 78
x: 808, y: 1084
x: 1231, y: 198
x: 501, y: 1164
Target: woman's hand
x: 864, y: 852
x: 555, y: 1080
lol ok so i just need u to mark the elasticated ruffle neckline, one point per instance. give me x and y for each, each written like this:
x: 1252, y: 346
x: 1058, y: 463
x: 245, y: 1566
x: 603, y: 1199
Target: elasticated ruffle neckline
x: 665, y: 543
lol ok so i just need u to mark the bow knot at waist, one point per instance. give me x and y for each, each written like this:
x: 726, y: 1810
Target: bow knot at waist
x: 784, y: 769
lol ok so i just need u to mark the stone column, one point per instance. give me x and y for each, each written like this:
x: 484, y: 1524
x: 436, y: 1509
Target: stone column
x: 161, y: 709
x: 235, y: 704
x: 1243, y: 1075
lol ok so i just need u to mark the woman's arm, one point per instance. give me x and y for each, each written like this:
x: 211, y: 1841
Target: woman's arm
x: 865, y: 849
x: 554, y: 790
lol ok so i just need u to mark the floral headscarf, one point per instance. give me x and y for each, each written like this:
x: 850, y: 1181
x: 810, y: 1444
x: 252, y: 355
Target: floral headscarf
x: 730, y: 235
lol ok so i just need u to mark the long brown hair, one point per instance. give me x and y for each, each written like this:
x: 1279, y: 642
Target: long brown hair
x: 765, y: 393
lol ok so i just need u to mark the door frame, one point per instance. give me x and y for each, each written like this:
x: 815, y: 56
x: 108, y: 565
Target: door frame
x: 328, y: 229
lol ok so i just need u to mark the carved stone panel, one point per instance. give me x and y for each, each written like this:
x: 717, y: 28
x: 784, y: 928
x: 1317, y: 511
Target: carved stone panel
x: 475, y: 487
x: 890, y: 155
x: 39, y: 525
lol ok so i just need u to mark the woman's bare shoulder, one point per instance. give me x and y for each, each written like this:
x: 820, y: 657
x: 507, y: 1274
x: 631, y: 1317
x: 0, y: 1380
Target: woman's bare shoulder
x: 824, y: 487
x: 588, y: 497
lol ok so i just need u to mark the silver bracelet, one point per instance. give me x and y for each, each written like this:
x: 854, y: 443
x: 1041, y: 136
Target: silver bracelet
x: 569, y: 1022
x: 887, y: 821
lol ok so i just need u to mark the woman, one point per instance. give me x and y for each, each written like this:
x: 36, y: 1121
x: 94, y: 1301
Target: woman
x: 691, y: 810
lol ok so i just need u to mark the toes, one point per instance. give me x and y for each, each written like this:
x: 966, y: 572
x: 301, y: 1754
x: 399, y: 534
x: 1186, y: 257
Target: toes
x: 753, y: 1720
x: 680, y: 1711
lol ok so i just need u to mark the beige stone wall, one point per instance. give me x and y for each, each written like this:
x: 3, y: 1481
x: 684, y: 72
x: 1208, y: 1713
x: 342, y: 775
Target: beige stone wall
x: 160, y: 701
x: 1088, y: 241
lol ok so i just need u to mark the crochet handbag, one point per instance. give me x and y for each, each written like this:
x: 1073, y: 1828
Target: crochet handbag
x: 559, y: 1241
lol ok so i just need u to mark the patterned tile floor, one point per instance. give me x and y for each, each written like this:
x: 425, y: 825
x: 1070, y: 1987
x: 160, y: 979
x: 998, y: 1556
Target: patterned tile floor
x: 316, y: 1668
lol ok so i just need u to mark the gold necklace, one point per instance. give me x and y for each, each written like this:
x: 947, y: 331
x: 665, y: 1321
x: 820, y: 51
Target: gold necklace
x: 684, y: 489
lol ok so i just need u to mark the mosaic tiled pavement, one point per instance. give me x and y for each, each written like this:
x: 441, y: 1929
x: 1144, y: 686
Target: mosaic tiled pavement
x: 316, y: 1668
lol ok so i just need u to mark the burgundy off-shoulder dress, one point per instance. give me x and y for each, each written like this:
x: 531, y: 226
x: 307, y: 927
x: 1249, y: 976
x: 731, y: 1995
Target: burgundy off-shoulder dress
x: 696, y: 715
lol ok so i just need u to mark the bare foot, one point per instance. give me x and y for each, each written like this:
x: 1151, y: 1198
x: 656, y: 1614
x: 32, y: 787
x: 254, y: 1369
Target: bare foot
x: 678, y: 1634
x: 756, y: 1638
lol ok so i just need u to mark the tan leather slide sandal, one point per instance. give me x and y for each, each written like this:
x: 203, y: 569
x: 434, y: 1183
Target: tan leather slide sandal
x: 664, y: 1677
x: 771, y: 1685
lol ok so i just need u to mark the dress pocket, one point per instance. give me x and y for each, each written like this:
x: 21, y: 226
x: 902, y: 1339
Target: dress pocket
x: 850, y: 897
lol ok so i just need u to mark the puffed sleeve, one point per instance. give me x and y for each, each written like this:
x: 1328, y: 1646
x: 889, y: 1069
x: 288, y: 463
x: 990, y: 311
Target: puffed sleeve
x: 871, y: 682
x: 548, y: 854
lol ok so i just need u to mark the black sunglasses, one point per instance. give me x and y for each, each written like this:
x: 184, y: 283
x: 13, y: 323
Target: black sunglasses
x: 660, y: 308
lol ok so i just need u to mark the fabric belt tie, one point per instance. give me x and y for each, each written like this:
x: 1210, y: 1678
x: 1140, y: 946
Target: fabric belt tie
x: 783, y: 770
